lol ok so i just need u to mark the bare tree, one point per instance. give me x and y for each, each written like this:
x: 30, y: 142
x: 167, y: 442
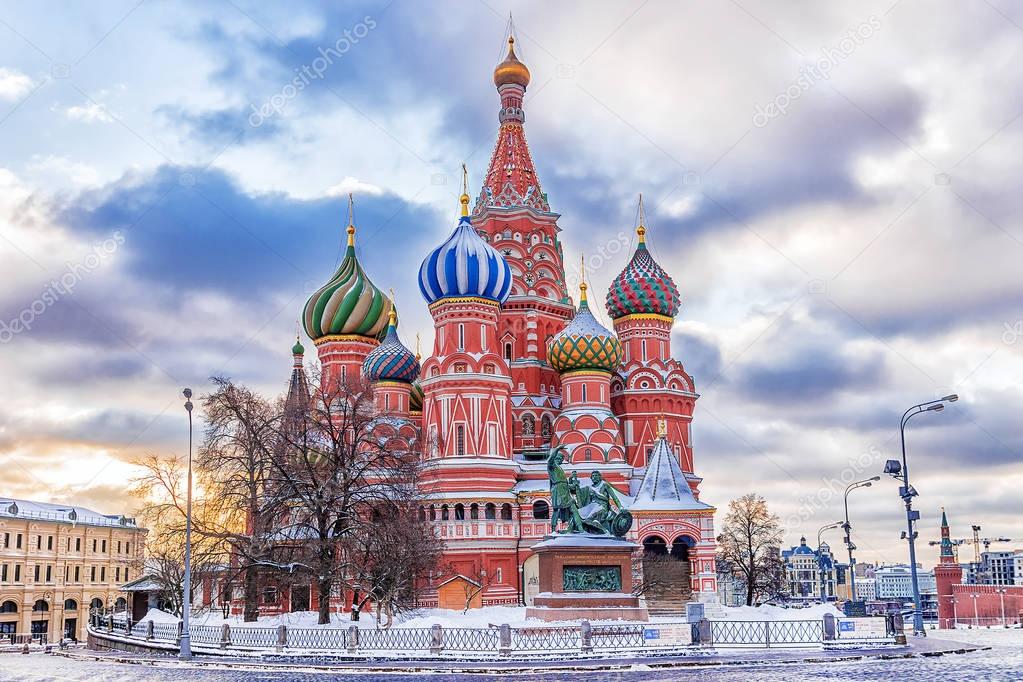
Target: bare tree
x: 233, y: 505
x: 339, y: 474
x: 749, y: 542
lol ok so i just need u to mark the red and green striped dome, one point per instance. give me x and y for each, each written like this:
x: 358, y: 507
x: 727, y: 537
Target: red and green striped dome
x: 643, y: 287
x: 415, y: 400
x: 349, y: 304
x: 585, y: 344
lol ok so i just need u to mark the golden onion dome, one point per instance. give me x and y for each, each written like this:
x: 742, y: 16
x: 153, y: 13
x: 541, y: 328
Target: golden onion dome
x: 511, y: 70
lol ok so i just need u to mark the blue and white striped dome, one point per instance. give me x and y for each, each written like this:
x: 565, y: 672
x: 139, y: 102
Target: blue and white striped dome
x: 465, y: 265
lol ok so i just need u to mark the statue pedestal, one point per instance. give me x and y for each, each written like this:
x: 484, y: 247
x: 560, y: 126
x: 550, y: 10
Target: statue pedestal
x: 585, y: 577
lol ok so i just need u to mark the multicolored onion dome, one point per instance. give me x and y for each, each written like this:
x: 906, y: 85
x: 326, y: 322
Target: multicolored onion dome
x: 415, y: 398
x: 585, y: 344
x: 465, y: 265
x: 511, y: 70
x: 348, y: 304
x: 643, y: 287
x: 391, y: 360
x: 297, y: 349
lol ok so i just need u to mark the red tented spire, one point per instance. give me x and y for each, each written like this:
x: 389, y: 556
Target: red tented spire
x: 511, y: 179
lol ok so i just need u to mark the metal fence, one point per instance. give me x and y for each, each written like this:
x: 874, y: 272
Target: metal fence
x: 504, y: 640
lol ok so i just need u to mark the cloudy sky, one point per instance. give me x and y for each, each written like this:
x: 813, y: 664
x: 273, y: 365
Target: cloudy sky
x: 829, y: 183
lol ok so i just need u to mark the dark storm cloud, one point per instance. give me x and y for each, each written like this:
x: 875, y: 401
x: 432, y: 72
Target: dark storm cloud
x: 812, y: 373
x: 189, y: 229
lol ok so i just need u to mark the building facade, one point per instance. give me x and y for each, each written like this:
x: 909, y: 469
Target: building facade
x: 961, y: 603
x: 518, y: 366
x: 813, y: 575
x: 58, y: 561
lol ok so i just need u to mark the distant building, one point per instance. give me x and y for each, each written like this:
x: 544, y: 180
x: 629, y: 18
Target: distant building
x: 962, y: 603
x: 59, y: 560
x: 866, y: 588
x: 806, y: 569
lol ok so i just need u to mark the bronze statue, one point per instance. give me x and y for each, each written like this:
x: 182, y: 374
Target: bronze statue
x: 594, y: 509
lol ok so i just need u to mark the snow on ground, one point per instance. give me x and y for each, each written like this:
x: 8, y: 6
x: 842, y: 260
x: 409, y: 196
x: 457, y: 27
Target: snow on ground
x: 994, y: 636
x: 481, y: 618
x: 158, y: 616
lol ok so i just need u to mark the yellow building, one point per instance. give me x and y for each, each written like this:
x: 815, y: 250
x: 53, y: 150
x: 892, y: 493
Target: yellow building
x: 57, y: 561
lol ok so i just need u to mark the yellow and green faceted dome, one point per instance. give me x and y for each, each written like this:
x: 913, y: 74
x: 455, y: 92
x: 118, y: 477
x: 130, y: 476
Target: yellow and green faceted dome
x: 643, y: 288
x: 349, y: 304
x: 585, y: 344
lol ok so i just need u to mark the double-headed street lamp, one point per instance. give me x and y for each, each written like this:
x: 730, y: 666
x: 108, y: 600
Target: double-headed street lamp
x: 820, y: 558
x: 907, y: 492
x: 185, y: 651
x: 866, y: 483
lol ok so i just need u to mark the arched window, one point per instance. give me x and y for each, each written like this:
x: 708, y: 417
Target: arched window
x: 545, y: 427
x: 121, y: 603
x: 461, y: 337
x: 444, y: 516
x: 96, y: 603
x: 508, y: 351
x: 541, y: 510
x: 70, y: 605
x: 474, y: 511
x: 506, y: 512
x: 422, y: 513
x: 40, y: 605
x: 490, y: 511
x: 459, y: 512
x: 433, y: 513
x: 584, y: 393
x: 9, y: 607
x: 528, y: 425
x: 588, y: 455
x: 460, y: 440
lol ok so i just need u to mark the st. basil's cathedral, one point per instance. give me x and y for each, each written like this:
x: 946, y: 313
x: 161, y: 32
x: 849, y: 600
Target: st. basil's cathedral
x: 516, y: 368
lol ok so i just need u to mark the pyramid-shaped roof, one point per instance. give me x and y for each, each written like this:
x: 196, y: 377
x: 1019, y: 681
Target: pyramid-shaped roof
x: 664, y: 486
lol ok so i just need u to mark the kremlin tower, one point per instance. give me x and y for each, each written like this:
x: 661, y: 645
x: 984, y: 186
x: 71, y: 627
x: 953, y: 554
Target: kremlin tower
x: 515, y: 368
x: 947, y: 573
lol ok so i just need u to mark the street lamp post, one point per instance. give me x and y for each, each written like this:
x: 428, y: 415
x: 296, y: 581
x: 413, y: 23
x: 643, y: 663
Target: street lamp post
x: 1001, y: 596
x: 976, y: 614
x: 907, y: 492
x: 820, y: 558
x: 185, y: 652
x: 866, y: 483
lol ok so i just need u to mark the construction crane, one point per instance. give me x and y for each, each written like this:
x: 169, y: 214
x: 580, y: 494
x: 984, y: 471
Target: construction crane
x: 978, y: 541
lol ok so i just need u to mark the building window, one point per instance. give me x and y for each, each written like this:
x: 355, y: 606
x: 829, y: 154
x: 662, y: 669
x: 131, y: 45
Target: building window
x: 7, y: 540
x: 17, y: 573
x: 35, y: 572
x: 541, y: 510
x: 474, y: 511
x: 94, y: 545
x: 126, y: 575
x: 127, y: 548
x: 3, y: 573
x: 104, y: 550
x: 459, y: 512
x: 78, y: 544
x: 39, y: 542
x: 490, y: 511
x: 528, y: 425
x: 92, y: 574
x: 78, y: 574
x: 506, y: 512
x: 545, y: 427
x: 508, y: 351
x: 643, y: 346
x: 269, y: 595
x: 489, y: 369
x: 483, y: 336
x: 49, y: 573
x: 433, y: 513
x: 444, y: 515
x: 461, y: 337
x: 9, y: 607
x: 18, y: 541
x: 584, y: 393
x: 118, y: 546
x: 103, y: 574
x: 460, y: 440
x: 461, y: 368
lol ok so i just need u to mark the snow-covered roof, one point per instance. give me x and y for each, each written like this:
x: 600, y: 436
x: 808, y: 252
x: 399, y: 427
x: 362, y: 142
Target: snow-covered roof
x: 61, y: 513
x: 664, y: 486
x: 146, y: 583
